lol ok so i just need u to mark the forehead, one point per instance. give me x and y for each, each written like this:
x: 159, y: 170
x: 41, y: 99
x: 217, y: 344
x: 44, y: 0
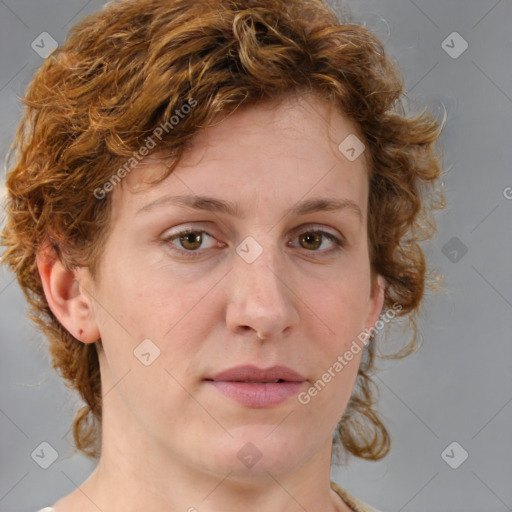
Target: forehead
x: 276, y: 147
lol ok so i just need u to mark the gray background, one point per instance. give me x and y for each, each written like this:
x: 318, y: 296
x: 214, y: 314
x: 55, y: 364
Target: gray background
x: 457, y: 388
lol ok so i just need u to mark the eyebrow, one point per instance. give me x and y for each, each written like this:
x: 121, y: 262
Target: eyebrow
x: 212, y: 204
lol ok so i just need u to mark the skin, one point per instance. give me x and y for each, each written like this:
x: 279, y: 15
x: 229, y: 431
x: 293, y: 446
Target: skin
x: 170, y: 441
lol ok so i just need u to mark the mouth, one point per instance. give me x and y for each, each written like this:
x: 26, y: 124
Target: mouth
x: 250, y: 373
x: 258, y: 388
x: 250, y: 381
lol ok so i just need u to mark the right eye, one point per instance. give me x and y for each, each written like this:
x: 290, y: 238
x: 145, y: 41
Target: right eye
x: 188, y: 242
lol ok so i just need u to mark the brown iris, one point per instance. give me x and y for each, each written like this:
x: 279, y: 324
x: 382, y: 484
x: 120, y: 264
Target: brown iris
x: 191, y: 241
x: 312, y: 239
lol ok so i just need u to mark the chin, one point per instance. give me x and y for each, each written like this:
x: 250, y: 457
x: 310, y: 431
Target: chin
x: 257, y: 450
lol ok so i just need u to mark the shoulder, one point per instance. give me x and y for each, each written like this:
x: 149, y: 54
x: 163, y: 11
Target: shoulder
x: 354, y: 503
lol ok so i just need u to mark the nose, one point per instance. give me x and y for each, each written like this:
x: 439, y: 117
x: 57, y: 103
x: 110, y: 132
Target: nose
x: 261, y: 300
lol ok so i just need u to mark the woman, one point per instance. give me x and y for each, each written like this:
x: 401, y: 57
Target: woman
x: 213, y: 208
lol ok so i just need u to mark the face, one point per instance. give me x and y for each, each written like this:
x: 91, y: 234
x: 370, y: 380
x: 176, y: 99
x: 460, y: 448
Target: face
x: 271, y: 270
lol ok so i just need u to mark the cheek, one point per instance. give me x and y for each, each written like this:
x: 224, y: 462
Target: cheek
x: 340, y: 308
x: 133, y: 293
x: 175, y: 311
x: 341, y: 303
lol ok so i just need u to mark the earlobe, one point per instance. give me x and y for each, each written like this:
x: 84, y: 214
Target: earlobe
x: 376, y: 302
x: 66, y: 298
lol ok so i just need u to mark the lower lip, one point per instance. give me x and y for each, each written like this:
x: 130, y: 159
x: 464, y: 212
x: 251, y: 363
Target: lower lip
x: 258, y: 395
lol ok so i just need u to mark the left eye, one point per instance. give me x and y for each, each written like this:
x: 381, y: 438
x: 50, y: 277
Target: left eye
x: 314, y: 239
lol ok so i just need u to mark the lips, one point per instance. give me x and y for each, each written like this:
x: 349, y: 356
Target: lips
x: 258, y: 388
x: 253, y: 374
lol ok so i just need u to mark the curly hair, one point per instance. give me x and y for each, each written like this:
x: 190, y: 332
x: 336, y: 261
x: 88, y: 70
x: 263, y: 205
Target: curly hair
x: 127, y: 69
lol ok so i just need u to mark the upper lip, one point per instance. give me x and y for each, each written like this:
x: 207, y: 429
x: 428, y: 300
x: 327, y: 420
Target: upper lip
x: 249, y: 373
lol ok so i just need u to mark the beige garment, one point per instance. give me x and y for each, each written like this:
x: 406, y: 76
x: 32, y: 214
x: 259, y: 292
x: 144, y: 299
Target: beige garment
x: 354, y: 503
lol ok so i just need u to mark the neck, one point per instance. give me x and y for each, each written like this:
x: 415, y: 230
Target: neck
x: 136, y: 476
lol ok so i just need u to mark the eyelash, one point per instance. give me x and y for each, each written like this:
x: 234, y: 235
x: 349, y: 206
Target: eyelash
x: 188, y: 253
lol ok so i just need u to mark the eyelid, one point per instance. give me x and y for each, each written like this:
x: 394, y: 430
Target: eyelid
x: 321, y: 228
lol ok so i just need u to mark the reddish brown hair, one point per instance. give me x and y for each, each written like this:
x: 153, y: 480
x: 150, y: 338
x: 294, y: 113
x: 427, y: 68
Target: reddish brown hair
x: 126, y: 69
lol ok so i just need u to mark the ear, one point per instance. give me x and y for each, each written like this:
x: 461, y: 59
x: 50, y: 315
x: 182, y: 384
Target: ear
x: 376, y: 301
x: 67, y: 299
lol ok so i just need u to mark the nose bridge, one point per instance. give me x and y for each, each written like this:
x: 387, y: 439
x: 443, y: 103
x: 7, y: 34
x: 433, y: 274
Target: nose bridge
x: 260, y: 297
x: 259, y: 266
